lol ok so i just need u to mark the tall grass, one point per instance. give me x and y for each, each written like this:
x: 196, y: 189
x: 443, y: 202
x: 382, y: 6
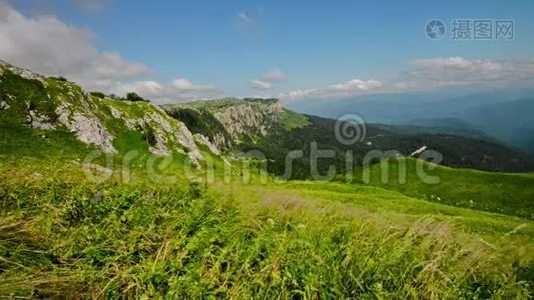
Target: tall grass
x: 83, y: 240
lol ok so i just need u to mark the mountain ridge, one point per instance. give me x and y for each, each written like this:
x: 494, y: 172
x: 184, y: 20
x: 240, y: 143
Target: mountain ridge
x: 49, y: 103
x: 500, y: 114
x: 286, y: 131
x: 226, y: 125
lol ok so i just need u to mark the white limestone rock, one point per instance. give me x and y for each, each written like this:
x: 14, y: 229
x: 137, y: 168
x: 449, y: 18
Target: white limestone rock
x: 203, y: 140
x: 87, y: 127
x: 4, y: 105
x: 40, y: 121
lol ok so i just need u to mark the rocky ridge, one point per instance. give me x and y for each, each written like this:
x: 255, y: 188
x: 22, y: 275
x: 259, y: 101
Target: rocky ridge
x: 229, y: 121
x: 48, y: 103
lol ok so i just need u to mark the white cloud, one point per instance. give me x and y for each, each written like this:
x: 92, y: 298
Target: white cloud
x: 48, y: 46
x: 260, y: 85
x: 267, y: 79
x: 432, y: 74
x: 348, y: 88
x: 354, y: 85
x: 145, y: 88
x: 249, y: 22
x: 435, y: 73
x: 243, y: 16
x: 178, y: 90
x: 457, y: 63
x: 186, y: 85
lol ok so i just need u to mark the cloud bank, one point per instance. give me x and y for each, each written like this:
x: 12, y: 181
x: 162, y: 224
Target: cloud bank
x: 178, y: 90
x: 48, y: 46
x: 431, y: 74
x: 348, y: 88
x: 436, y: 73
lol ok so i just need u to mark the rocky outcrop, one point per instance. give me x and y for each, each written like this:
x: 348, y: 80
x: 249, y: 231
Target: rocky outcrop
x: 4, y: 105
x: 21, y: 72
x: 227, y: 122
x: 90, y: 131
x: 202, y: 140
x: 38, y: 121
x: 168, y: 134
x: 248, y: 118
x: 84, y: 123
x: 93, y: 120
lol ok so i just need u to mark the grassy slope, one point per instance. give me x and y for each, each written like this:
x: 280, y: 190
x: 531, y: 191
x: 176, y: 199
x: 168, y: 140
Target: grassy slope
x: 239, y: 240
x: 290, y: 120
x: 61, y: 235
x: 511, y: 194
x: 43, y: 96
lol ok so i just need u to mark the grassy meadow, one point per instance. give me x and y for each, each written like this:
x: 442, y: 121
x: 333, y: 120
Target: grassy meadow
x: 64, y: 236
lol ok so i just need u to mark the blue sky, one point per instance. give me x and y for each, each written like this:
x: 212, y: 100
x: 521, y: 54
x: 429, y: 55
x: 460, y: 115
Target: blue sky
x: 310, y: 45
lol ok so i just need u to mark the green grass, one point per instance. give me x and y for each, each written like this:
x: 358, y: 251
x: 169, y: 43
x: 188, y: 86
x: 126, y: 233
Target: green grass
x: 63, y: 236
x: 20, y: 141
x: 290, y: 120
x: 511, y: 194
x: 64, y: 239
x: 396, y: 206
x: 211, y: 105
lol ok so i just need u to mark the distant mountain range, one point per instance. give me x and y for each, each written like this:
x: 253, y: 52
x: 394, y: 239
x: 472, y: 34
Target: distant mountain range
x: 264, y: 125
x: 503, y: 115
x: 510, y: 121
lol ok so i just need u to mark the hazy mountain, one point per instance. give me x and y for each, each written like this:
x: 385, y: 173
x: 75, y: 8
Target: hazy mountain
x: 393, y: 108
x: 510, y: 121
x: 496, y: 115
x: 451, y: 126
